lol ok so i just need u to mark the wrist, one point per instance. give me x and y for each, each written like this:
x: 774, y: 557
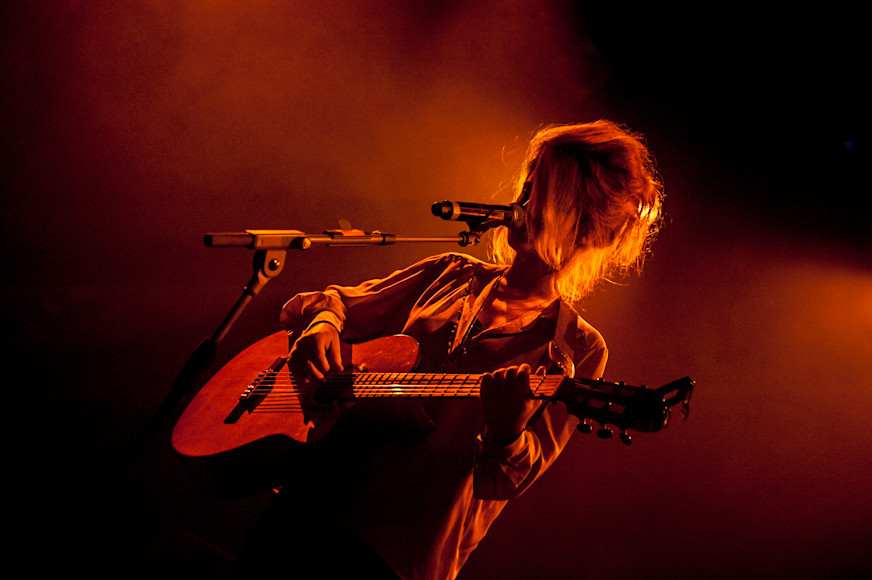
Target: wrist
x: 501, y: 438
x: 325, y: 317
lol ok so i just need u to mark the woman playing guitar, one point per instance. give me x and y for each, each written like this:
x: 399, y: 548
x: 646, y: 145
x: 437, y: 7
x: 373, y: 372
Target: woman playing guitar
x: 408, y: 488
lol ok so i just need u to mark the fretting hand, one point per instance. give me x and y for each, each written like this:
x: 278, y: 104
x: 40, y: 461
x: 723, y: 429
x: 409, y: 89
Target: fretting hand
x: 507, y: 403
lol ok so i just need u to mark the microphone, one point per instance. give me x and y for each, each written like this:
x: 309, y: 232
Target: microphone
x: 512, y: 215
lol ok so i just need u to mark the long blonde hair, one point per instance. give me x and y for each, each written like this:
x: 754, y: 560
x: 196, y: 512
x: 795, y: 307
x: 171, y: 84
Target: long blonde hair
x: 595, y: 205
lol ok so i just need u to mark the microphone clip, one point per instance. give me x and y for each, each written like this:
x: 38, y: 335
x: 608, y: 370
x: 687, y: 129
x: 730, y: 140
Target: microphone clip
x: 480, y: 217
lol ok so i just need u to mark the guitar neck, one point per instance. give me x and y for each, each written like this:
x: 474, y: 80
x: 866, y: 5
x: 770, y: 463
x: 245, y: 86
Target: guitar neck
x: 424, y: 385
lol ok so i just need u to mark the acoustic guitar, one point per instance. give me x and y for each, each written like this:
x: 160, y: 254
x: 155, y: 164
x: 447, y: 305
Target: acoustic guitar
x: 239, y: 430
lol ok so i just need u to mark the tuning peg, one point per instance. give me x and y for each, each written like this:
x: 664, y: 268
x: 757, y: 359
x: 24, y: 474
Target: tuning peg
x: 625, y: 437
x: 604, y: 432
x: 585, y: 427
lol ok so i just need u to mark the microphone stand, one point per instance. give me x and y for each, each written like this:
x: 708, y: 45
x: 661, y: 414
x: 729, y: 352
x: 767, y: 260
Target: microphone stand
x: 270, y: 247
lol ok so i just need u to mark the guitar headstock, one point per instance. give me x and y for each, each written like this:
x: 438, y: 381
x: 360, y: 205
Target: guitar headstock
x: 623, y: 407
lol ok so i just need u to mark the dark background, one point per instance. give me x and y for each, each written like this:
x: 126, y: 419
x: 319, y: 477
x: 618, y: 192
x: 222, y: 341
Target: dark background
x: 132, y: 129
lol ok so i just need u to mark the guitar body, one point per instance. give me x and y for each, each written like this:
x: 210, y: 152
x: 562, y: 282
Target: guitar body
x: 236, y: 449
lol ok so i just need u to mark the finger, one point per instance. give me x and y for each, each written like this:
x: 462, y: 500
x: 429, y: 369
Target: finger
x: 515, y: 377
x: 541, y: 370
x: 313, y: 372
x: 487, y: 385
x: 298, y: 368
x: 522, y: 384
x: 335, y: 355
x: 321, y: 361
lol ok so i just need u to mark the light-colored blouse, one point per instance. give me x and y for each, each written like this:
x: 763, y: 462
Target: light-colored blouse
x: 414, y: 478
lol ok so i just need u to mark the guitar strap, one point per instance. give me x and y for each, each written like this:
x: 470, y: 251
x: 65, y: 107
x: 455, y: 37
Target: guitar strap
x: 566, y: 332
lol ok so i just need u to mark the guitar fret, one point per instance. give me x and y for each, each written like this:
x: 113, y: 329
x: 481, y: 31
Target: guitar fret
x: 371, y: 385
x: 429, y: 385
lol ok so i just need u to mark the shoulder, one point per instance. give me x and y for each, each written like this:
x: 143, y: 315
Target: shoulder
x: 433, y: 265
x: 459, y: 263
x: 588, y: 335
x: 463, y: 259
x: 579, y: 330
x: 582, y: 343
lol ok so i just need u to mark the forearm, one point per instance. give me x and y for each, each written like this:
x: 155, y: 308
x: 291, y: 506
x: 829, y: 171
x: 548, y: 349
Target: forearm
x: 303, y: 310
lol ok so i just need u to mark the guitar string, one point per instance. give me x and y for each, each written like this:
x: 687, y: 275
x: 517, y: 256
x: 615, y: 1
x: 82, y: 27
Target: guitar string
x: 280, y: 394
x: 385, y: 382
x: 287, y: 401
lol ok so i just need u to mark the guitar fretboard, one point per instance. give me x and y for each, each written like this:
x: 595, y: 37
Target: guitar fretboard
x: 369, y: 385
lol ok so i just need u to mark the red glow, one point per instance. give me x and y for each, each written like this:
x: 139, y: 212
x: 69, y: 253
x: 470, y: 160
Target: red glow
x: 132, y: 129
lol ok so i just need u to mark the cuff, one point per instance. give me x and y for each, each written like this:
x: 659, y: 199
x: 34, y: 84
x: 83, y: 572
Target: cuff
x: 511, y: 454
x: 328, y: 317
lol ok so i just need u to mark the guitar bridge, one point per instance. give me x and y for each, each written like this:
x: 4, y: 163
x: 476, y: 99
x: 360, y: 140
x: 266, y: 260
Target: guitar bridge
x: 256, y: 392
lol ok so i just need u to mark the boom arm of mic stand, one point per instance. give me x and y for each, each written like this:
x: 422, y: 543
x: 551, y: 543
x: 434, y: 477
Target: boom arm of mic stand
x: 296, y: 240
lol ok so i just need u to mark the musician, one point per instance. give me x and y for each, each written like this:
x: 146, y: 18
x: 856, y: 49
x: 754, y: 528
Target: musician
x: 408, y: 488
